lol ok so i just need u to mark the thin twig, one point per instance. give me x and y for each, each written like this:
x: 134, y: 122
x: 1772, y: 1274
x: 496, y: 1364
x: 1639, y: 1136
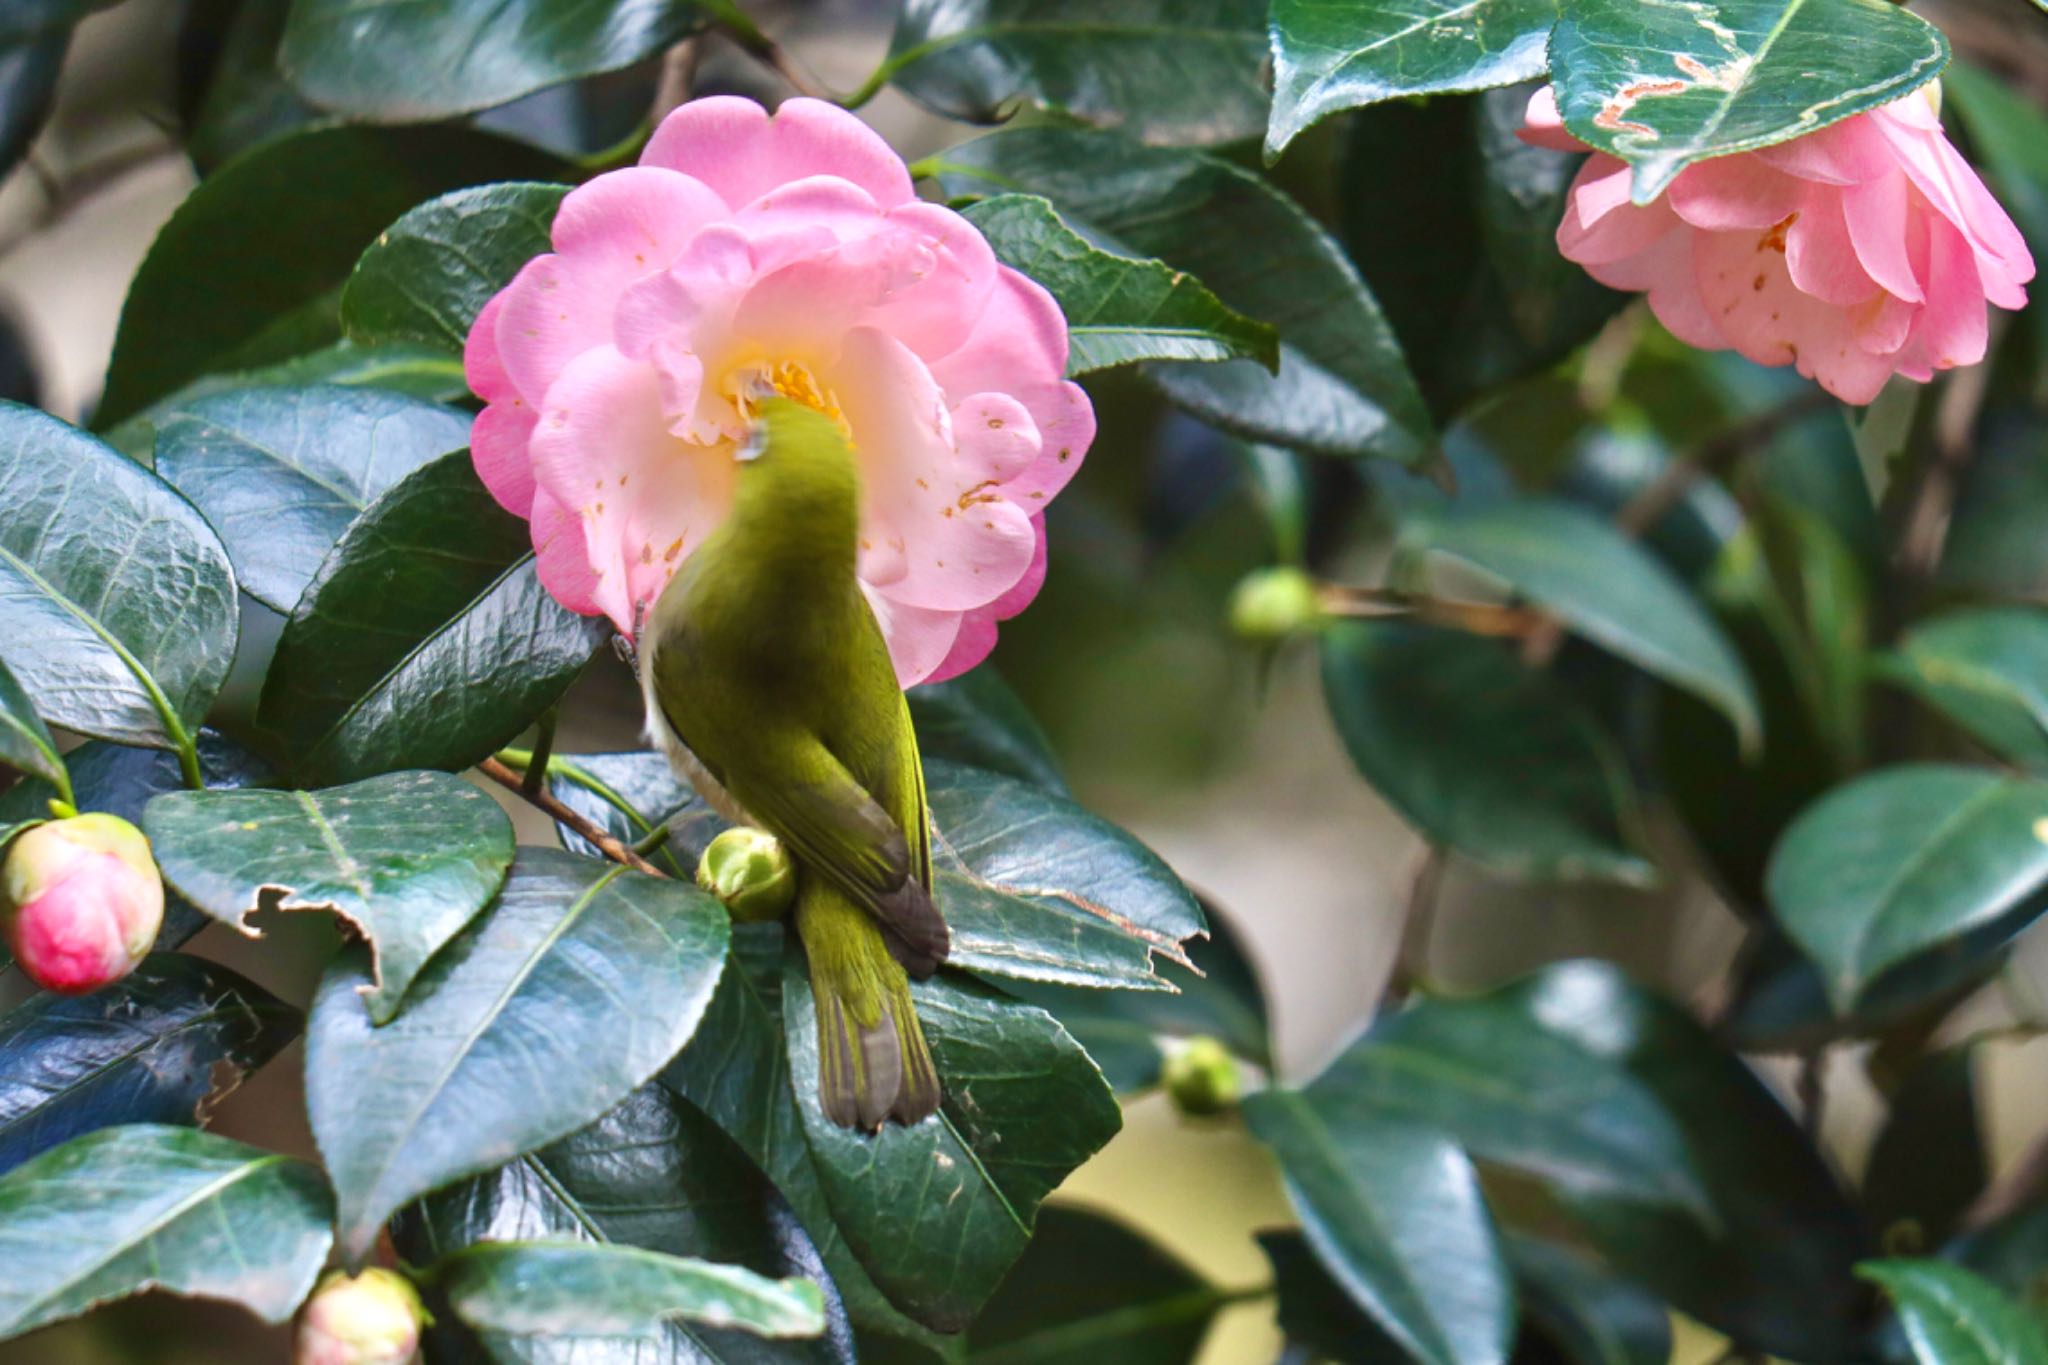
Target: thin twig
x: 1418, y: 919
x: 543, y: 748
x: 545, y: 802
x: 1477, y: 618
x: 1955, y: 426
x: 1813, y: 1093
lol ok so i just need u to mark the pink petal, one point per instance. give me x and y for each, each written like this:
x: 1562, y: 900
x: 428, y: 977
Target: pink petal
x: 1021, y: 595
x: 1748, y: 291
x: 1876, y: 215
x: 1667, y: 273
x: 919, y: 640
x: 996, y: 436
x: 1847, y: 153
x: 1939, y: 172
x: 940, y: 534
x: 975, y: 642
x: 1543, y: 126
x: 498, y: 441
x: 562, y: 559
x: 1731, y: 192
x: 633, y: 222
x: 1820, y: 255
x: 1601, y: 225
x: 1953, y: 327
x: 937, y: 312
x: 481, y: 366
x: 732, y: 145
x: 1883, y: 322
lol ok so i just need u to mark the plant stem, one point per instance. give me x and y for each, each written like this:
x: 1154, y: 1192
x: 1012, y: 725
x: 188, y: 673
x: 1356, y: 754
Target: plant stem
x: 1477, y: 618
x: 543, y: 750
x: 748, y: 37
x: 511, y: 780
x: 651, y: 841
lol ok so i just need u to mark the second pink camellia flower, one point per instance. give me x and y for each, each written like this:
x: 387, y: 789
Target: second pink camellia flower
x: 1864, y: 249
x: 745, y: 255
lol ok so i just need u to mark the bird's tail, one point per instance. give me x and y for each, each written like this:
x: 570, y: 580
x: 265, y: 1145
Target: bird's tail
x: 873, y: 1063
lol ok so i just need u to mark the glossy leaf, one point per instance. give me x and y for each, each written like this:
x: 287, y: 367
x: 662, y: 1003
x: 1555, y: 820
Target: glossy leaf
x: 280, y: 472
x: 117, y: 603
x: 1683, y: 1170
x: 247, y: 100
x: 1090, y: 1289
x: 1394, y: 1211
x: 1342, y: 388
x: 1607, y: 588
x: 1332, y: 55
x: 1954, y: 1317
x: 1481, y: 754
x: 1317, y: 1314
x: 413, y: 63
x: 25, y: 742
x: 1910, y: 861
x: 977, y: 720
x: 653, y: 1173
x: 123, y: 1210
x: 938, y: 1212
x: 1590, y: 1314
x: 407, y: 859
x: 1987, y: 669
x: 244, y: 274
x: 425, y: 639
x: 158, y: 1046
x: 584, y: 1289
x: 1184, y: 71
x: 578, y: 986
x: 429, y: 274
x: 1664, y: 86
x: 1119, y: 309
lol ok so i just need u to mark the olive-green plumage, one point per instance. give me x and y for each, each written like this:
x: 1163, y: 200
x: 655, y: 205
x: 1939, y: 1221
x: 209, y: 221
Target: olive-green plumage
x: 770, y: 686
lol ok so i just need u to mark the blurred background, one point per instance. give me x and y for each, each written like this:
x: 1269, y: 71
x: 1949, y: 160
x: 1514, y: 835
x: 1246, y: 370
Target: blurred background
x: 1223, y: 760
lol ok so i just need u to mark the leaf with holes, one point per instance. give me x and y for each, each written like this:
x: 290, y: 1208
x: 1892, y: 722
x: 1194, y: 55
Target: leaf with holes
x: 1120, y: 309
x: 1907, y: 862
x: 578, y: 985
x: 408, y: 859
x: 424, y: 641
x: 158, y: 1046
x: 1665, y: 85
x: 117, y: 601
x: 124, y: 1210
x: 280, y: 472
x: 1332, y: 55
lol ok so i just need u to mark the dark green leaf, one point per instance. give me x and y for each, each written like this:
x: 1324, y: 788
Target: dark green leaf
x: 407, y: 859
x: 1607, y: 588
x: 426, y: 278
x: 1090, y: 1290
x: 1343, y: 387
x: 425, y: 639
x: 1586, y: 1312
x: 1987, y: 669
x: 1685, y: 1172
x: 575, y: 988
x: 25, y: 742
x: 156, y: 1047
x: 245, y: 272
x: 247, y: 99
x: 1954, y: 1317
x: 977, y: 720
x: 1481, y: 754
x: 1992, y: 547
x: 1119, y: 309
x: 938, y: 1212
x: 142, y: 1207
x: 654, y: 1173
x: 116, y: 599
x: 1332, y: 55
x: 416, y: 62
x: 1928, y: 1164
x: 1662, y: 86
x: 1910, y: 861
x: 1393, y: 1211
x: 1316, y: 1312
x: 1185, y: 71
x: 585, y: 1289
x: 280, y: 472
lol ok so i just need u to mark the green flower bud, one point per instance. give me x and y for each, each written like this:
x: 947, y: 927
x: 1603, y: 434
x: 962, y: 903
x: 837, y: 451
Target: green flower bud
x: 1203, y: 1078
x: 747, y: 869
x: 1271, y: 604
x: 369, y: 1319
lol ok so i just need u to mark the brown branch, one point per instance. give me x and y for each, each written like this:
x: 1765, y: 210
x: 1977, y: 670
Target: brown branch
x: 545, y: 801
x: 1476, y: 618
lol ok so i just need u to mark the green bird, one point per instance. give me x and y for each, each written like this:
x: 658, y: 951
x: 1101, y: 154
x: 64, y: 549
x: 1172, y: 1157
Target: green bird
x: 769, y: 686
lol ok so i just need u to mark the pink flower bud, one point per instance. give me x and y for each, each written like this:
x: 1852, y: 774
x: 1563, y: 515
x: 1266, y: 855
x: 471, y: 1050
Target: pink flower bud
x: 369, y: 1319
x: 82, y: 902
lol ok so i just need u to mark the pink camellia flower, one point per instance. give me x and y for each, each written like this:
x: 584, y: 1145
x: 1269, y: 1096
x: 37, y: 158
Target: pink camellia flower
x: 1866, y: 248
x: 788, y: 252
x: 82, y: 901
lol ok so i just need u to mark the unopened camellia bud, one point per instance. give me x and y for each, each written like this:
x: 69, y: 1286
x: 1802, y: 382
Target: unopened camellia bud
x: 748, y: 870
x: 1202, y: 1077
x: 369, y: 1319
x: 1272, y: 604
x: 81, y: 900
